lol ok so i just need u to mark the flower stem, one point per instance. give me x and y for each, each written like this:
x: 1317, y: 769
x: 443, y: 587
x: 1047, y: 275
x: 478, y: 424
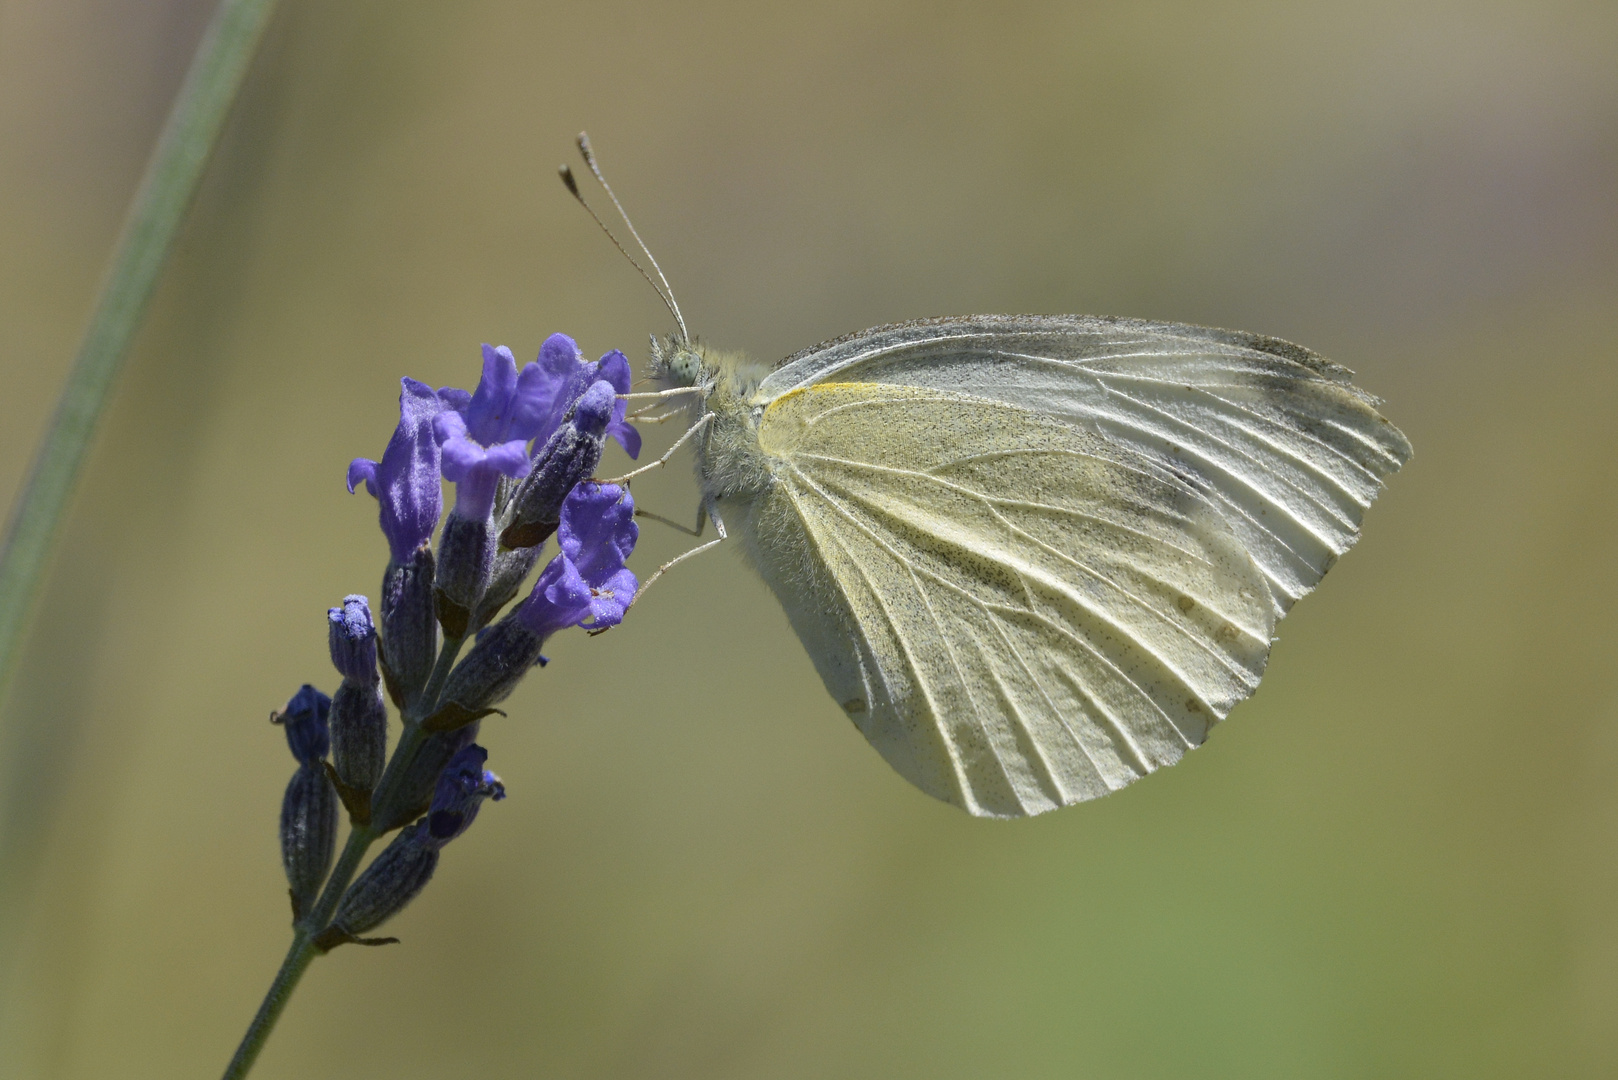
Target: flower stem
x: 155, y: 217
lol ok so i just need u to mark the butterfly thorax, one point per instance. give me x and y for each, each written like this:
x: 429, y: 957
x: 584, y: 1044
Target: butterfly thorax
x: 729, y: 463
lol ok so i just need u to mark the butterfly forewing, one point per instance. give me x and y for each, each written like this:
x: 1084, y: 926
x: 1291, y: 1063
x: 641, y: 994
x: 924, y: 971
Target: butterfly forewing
x: 1288, y: 450
x: 1018, y: 613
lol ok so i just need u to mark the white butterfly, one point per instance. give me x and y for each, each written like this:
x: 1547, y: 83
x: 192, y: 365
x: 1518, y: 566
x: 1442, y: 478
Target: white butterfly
x: 1034, y: 557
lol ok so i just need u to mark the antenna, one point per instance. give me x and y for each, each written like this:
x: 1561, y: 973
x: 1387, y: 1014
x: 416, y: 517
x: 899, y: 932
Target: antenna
x: 668, y: 302
x: 667, y: 292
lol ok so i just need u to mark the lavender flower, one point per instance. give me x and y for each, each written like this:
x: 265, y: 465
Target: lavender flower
x: 485, y: 436
x: 462, y: 787
x: 567, y: 375
x: 587, y: 582
x: 405, y: 482
x: 518, y: 448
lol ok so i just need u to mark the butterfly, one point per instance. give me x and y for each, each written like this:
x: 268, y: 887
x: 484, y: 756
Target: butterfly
x: 1033, y: 557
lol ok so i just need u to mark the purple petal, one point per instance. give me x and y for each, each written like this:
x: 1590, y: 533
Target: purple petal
x: 489, y: 413
x: 455, y: 398
x: 561, y: 598
x: 612, y: 598
x: 448, y: 425
x: 461, y: 456
x: 510, y: 458
x: 560, y: 366
x: 532, y: 402
x: 407, y: 477
x: 362, y: 469
x: 597, y: 530
x: 614, y: 367
x: 627, y: 434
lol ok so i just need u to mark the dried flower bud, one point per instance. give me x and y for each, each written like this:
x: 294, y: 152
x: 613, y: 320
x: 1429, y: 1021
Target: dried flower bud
x: 359, y: 743
x: 462, y: 787
x: 308, y: 833
x: 409, y: 626
x: 465, y: 561
x: 491, y: 671
x: 392, y: 880
x: 414, y: 794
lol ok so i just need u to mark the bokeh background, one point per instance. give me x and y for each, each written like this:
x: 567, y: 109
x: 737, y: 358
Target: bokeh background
x: 1399, y: 860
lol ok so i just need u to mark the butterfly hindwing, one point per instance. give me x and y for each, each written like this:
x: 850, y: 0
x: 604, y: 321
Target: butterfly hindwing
x: 1017, y: 613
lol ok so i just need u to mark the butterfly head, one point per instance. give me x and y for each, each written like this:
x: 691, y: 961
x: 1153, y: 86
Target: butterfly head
x: 677, y: 361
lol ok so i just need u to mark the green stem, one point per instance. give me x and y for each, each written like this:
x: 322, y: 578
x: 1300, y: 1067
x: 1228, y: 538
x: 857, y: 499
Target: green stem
x: 360, y: 839
x: 292, y: 969
x: 154, y: 221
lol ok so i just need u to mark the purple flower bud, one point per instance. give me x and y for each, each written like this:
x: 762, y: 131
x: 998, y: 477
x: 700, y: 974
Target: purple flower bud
x: 304, y: 719
x: 352, y: 637
x: 462, y: 787
x: 409, y: 627
x: 587, y: 583
x: 393, y: 879
x: 308, y: 833
x: 406, y: 480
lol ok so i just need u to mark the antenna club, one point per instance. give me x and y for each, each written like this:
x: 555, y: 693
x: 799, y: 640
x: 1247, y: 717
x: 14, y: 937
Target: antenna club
x: 567, y: 178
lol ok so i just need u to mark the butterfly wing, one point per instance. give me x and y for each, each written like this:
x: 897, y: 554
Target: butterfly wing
x: 1018, y: 614
x: 1289, y: 451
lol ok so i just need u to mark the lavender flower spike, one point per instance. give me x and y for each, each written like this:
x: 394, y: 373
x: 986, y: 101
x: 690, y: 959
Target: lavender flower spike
x: 486, y: 436
x: 588, y: 582
x: 405, y: 482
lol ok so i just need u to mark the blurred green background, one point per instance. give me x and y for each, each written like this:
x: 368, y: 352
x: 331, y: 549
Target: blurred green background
x: 1399, y: 860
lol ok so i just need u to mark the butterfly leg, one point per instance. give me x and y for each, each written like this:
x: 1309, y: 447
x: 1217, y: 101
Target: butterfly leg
x: 710, y: 509
x: 664, y: 460
x: 702, y: 519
